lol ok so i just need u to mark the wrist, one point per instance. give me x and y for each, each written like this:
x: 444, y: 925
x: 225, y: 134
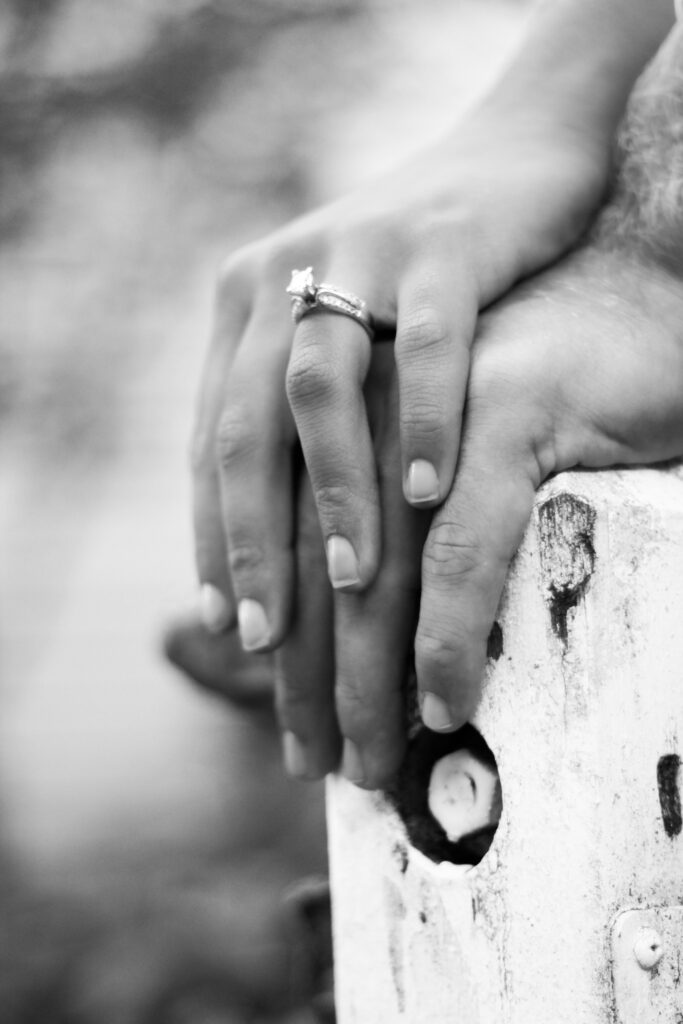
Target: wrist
x: 580, y: 60
x: 644, y: 213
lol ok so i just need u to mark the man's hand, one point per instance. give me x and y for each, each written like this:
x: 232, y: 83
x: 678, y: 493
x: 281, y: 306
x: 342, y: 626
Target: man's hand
x: 581, y: 367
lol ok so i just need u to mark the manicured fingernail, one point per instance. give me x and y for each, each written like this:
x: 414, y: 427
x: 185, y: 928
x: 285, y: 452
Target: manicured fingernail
x: 342, y: 563
x: 422, y: 483
x: 254, y: 629
x: 214, y: 610
x: 352, y: 763
x: 435, y: 713
x: 294, y: 755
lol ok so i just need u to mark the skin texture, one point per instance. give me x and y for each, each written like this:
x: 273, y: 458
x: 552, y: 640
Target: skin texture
x: 426, y: 248
x: 580, y: 366
x: 504, y: 193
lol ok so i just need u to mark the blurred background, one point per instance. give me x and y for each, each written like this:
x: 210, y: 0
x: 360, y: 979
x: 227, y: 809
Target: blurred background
x: 146, y: 831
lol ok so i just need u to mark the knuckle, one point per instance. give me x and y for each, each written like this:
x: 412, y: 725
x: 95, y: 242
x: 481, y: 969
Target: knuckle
x: 450, y: 656
x: 235, y: 437
x: 439, y: 641
x: 434, y: 652
x: 453, y: 552
x: 421, y: 418
x: 278, y: 260
x: 420, y: 332
x: 310, y: 378
x: 245, y: 559
x: 234, y: 274
x: 330, y: 498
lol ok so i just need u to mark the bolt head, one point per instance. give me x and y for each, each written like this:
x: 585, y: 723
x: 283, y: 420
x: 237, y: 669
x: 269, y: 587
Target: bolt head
x: 648, y: 948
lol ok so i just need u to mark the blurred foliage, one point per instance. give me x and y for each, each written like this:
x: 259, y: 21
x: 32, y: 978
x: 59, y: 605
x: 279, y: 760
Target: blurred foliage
x: 140, y: 141
x: 165, y: 84
x: 98, y: 102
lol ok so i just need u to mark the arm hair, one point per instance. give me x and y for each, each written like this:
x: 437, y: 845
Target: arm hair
x: 644, y: 211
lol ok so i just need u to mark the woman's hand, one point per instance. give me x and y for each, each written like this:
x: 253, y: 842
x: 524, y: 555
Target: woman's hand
x: 426, y: 248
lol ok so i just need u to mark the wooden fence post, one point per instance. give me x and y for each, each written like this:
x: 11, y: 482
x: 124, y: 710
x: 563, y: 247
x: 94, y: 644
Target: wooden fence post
x: 575, y: 915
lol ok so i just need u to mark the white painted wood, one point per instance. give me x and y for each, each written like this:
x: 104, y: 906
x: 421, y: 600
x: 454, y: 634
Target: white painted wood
x: 578, y: 728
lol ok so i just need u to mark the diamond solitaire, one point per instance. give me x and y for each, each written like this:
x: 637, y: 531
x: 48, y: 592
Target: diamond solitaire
x: 302, y: 286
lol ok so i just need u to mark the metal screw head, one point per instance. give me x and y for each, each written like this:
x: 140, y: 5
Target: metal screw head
x: 648, y: 948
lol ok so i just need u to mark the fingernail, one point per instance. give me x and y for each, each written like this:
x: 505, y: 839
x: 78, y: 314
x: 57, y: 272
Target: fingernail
x: 254, y: 630
x: 294, y: 755
x: 342, y: 563
x: 422, y: 483
x: 352, y: 763
x: 214, y: 610
x: 435, y: 713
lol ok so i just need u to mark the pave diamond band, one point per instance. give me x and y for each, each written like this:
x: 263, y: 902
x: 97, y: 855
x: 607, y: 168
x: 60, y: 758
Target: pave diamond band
x: 307, y: 297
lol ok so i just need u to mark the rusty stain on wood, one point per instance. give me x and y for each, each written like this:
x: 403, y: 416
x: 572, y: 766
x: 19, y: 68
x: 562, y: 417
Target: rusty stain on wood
x: 566, y: 528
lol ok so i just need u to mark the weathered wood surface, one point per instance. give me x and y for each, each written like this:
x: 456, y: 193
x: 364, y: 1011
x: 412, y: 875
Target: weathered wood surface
x: 584, y: 711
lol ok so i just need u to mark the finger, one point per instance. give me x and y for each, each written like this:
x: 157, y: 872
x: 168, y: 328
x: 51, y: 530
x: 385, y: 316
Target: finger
x: 328, y: 365
x: 218, y: 664
x: 473, y: 537
x: 305, y: 661
x: 433, y: 339
x: 255, y: 439
x: 375, y: 628
x: 216, y: 605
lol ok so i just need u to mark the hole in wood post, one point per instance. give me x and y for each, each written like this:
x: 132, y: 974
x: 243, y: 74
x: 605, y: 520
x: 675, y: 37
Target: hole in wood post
x: 448, y: 795
x: 669, y: 794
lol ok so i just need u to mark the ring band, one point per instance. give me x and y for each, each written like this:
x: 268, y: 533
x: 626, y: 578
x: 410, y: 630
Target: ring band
x: 308, y: 297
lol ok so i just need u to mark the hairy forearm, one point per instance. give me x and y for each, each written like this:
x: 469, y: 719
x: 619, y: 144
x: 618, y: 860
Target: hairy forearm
x: 644, y: 212
x: 580, y: 58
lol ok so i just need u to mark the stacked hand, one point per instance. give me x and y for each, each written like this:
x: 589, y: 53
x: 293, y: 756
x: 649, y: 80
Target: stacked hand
x: 580, y: 366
